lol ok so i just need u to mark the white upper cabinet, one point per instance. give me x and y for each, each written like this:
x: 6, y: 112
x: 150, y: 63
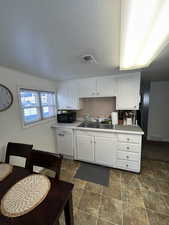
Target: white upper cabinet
x: 128, y: 92
x: 68, y: 95
x: 125, y: 87
x: 106, y: 87
x: 87, y: 88
x: 97, y: 87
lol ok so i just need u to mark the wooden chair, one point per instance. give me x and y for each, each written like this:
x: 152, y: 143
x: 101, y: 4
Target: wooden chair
x: 18, y: 149
x: 46, y: 160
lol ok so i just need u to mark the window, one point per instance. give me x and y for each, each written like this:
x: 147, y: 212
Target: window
x: 37, y: 105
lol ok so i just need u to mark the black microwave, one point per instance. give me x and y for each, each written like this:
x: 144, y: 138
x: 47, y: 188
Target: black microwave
x: 66, y: 117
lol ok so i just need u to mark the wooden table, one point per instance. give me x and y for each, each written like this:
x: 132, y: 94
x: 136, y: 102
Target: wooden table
x: 48, y: 212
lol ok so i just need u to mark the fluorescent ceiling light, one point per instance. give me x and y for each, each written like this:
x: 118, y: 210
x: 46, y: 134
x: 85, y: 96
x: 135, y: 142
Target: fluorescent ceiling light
x: 144, y: 31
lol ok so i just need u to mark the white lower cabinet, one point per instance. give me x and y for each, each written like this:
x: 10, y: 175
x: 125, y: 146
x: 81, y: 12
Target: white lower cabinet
x: 129, y: 152
x: 64, y: 140
x: 129, y: 147
x: 128, y: 165
x: 129, y: 138
x: 95, y: 147
x: 85, y: 148
x: 132, y: 156
x: 105, y: 151
x: 121, y: 151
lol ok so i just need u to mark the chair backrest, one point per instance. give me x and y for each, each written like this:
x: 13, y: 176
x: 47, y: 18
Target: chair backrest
x: 18, y: 149
x: 47, y: 160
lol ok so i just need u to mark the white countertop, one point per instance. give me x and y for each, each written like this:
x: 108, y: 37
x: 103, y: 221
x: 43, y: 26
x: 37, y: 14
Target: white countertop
x: 119, y: 128
x: 67, y: 125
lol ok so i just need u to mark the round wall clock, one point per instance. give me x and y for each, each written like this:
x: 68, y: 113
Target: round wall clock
x: 6, y: 98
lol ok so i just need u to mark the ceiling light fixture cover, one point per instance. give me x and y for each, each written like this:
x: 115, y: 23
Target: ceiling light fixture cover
x: 144, y: 32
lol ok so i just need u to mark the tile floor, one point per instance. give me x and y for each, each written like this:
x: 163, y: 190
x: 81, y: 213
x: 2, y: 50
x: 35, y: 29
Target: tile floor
x: 130, y: 199
x: 155, y: 150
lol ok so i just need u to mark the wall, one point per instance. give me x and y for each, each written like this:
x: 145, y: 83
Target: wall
x: 101, y: 107
x: 144, y: 109
x: 158, y: 119
x: 41, y: 135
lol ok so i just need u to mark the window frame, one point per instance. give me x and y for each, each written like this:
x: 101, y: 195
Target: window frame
x: 49, y: 105
x: 40, y: 107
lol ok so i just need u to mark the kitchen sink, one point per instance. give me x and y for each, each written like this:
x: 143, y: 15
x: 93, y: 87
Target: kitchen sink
x: 95, y: 125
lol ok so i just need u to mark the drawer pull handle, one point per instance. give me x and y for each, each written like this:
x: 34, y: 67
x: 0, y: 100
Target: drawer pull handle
x: 128, y: 139
x: 127, y: 157
x: 128, y: 148
x: 127, y: 165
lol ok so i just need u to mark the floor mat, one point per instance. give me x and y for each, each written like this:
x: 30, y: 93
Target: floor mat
x: 93, y: 173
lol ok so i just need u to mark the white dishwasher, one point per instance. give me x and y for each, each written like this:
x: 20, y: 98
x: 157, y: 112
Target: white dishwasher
x: 64, y: 139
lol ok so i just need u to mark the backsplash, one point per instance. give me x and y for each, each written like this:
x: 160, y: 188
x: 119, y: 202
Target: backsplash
x: 97, y: 107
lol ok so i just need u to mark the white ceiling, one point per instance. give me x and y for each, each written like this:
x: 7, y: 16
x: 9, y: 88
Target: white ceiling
x: 47, y: 37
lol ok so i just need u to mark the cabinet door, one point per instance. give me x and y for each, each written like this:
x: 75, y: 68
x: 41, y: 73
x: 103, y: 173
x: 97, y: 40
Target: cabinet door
x: 106, y: 87
x: 85, y: 148
x: 105, y: 151
x: 87, y: 87
x: 68, y: 95
x: 73, y: 95
x: 65, y: 142
x: 61, y: 96
x: 128, y: 92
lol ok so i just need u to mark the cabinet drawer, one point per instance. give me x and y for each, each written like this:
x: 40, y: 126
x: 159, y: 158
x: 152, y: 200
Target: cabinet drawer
x: 63, y: 131
x: 128, y: 138
x: 128, y: 156
x: 128, y: 165
x: 97, y: 134
x: 129, y: 147
x: 85, y: 133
